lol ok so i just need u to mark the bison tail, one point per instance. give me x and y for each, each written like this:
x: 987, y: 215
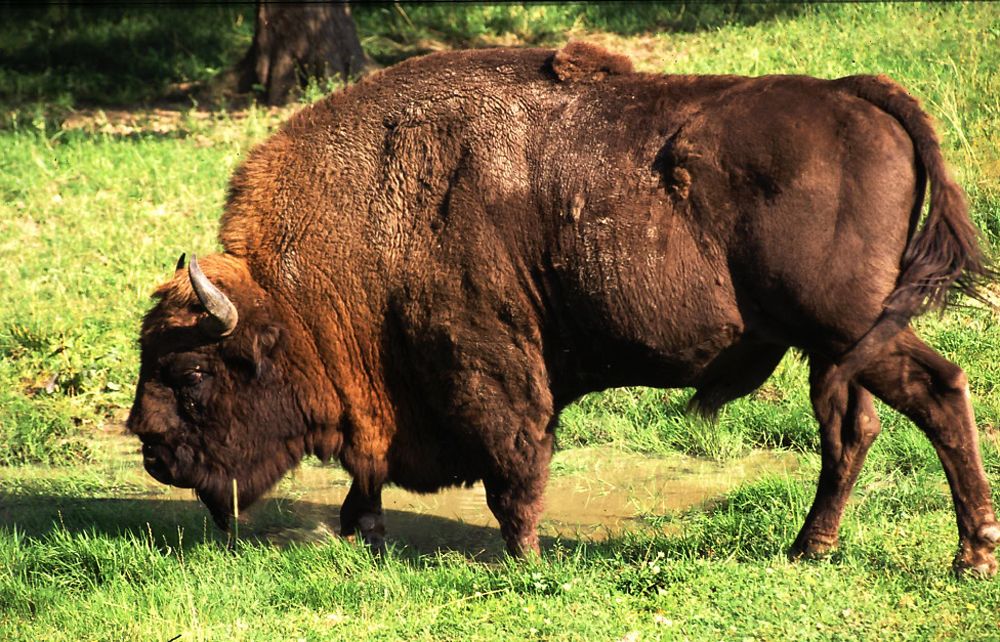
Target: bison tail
x: 944, y: 255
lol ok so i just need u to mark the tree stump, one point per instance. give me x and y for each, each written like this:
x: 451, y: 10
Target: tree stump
x: 294, y: 42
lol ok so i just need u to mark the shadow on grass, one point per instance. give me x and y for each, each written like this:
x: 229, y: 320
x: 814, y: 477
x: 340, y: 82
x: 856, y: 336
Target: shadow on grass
x: 114, y: 55
x: 179, y: 523
x: 38, y: 515
x: 184, y: 524
x: 716, y: 534
x: 125, y: 55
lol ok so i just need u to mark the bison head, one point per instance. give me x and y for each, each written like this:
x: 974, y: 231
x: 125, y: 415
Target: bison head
x: 214, y: 403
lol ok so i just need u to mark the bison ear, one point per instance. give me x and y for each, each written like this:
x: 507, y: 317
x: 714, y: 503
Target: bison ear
x: 255, y: 349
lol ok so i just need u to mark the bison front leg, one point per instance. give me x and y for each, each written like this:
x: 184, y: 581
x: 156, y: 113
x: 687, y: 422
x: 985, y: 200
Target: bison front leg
x: 848, y: 425
x: 515, y: 490
x: 933, y: 392
x: 499, y: 402
x: 361, y: 513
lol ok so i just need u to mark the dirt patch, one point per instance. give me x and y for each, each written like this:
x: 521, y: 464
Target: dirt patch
x: 165, y: 122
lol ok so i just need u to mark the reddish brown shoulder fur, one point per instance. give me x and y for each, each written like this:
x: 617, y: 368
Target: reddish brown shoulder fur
x: 585, y: 61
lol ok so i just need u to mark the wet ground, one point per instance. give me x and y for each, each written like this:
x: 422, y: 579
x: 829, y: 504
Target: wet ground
x: 593, y: 493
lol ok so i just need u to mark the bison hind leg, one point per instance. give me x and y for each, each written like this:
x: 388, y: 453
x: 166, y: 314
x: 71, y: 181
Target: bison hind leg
x: 735, y: 372
x: 934, y: 393
x: 848, y: 425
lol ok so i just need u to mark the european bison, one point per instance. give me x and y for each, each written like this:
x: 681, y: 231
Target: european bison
x: 422, y: 270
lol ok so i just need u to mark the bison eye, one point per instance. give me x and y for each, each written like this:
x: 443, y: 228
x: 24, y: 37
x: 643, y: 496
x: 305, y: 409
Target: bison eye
x: 192, y: 377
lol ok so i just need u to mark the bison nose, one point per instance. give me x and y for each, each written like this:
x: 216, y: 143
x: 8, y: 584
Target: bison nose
x: 134, y: 423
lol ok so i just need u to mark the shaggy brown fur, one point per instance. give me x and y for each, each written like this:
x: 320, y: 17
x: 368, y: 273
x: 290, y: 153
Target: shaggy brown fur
x: 584, y: 61
x: 431, y: 264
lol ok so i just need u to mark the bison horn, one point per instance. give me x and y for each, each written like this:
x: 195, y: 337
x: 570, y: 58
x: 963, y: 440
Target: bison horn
x: 180, y: 262
x: 221, y: 309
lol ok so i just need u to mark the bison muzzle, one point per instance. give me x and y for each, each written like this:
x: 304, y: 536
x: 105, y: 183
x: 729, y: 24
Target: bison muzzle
x: 422, y: 270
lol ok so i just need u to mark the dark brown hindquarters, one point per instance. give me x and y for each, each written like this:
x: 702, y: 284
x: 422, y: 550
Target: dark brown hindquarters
x: 943, y: 256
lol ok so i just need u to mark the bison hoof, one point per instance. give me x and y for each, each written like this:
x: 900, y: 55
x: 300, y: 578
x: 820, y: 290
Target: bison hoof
x: 372, y: 531
x: 812, y: 547
x: 975, y: 559
x: 984, y: 569
x: 376, y: 543
x: 524, y: 547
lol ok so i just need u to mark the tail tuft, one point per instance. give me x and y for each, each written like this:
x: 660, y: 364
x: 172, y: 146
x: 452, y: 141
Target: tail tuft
x: 944, y: 256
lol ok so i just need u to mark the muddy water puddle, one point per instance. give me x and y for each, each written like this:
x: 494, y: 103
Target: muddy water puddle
x: 592, y: 494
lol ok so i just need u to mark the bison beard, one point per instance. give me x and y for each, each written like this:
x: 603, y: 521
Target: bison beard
x: 421, y: 271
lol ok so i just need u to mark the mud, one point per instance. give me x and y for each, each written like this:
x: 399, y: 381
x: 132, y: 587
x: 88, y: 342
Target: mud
x: 593, y: 494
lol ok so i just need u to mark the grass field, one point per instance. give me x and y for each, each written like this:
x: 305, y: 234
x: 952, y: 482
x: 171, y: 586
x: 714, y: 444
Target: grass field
x: 102, y: 189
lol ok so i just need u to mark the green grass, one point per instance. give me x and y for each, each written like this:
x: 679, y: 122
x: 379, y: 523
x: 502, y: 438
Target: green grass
x: 723, y: 575
x: 94, y: 211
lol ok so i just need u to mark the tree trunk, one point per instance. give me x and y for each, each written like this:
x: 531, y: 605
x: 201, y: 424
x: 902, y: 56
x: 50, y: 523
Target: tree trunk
x: 294, y: 42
